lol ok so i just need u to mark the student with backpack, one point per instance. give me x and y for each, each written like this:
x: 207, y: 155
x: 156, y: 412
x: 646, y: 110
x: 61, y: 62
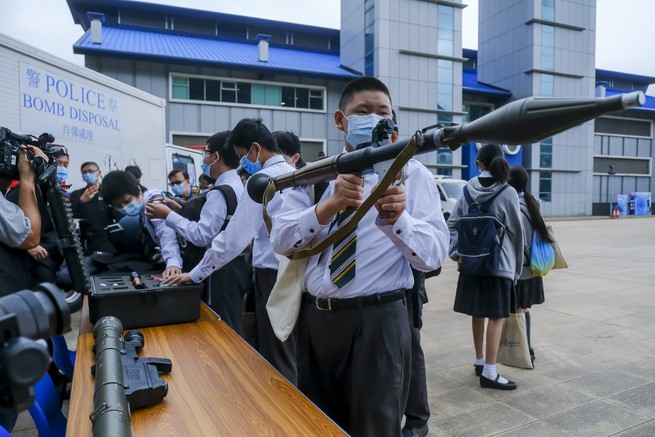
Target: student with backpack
x: 201, y: 219
x: 486, y: 241
x: 529, y: 288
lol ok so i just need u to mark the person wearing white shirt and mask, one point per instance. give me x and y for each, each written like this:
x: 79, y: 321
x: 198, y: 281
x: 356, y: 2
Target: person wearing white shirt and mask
x: 227, y: 285
x: 353, y: 323
x: 259, y: 152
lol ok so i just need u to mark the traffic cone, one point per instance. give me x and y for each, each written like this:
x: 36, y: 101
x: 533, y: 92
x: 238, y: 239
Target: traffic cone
x: 615, y: 212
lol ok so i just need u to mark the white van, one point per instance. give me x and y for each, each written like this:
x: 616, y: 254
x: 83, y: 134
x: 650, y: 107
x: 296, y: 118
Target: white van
x: 185, y: 158
x: 449, y: 190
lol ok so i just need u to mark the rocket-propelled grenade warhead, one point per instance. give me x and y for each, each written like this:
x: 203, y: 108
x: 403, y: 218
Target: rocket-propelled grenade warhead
x: 524, y: 121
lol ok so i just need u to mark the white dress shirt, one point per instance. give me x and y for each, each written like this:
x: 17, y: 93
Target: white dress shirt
x: 246, y: 224
x: 162, y: 235
x: 212, y: 214
x: 419, y: 237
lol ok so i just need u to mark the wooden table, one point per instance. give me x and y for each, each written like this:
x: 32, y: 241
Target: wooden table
x: 219, y: 386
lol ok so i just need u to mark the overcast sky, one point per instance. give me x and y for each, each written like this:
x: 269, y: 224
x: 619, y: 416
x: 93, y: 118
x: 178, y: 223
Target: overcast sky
x: 625, y: 29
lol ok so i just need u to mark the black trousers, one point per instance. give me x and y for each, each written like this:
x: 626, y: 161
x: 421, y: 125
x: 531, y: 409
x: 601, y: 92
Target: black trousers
x: 417, y: 411
x: 355, y: 365
x: 225, y: 291
x: 282, y: 356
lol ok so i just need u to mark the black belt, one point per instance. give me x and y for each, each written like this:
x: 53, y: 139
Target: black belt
x: 332, y: 304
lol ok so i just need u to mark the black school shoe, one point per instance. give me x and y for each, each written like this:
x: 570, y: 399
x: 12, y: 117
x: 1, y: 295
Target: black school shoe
x: 493, y: 383
x: 478, y: 369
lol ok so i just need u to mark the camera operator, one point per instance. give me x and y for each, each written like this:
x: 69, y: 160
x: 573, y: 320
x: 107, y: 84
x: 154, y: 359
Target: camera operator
x: 20, y: 226
x: 45, y: 258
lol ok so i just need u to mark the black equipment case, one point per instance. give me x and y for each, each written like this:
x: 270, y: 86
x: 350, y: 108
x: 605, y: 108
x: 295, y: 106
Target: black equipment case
x: 152, y: 305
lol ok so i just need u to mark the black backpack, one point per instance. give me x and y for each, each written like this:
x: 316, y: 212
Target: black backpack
x: 192, y: 254
x: 480, y: 237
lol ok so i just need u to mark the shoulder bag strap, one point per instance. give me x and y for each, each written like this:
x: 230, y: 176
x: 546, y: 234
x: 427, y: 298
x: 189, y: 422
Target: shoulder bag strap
x: 230, y: 202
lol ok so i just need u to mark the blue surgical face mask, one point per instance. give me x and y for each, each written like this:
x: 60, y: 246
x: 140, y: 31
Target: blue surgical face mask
x: 62, y: 174
x: 90, y: 178
x: 205, y: 168
x: 178, y: 189
x: 133, y: 208
x: 249, y: 166
x: 360, y: 128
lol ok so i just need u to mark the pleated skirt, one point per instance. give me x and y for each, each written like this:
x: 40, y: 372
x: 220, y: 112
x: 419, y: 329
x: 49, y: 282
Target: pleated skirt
x: 530, y: 292
x: 485, y: 296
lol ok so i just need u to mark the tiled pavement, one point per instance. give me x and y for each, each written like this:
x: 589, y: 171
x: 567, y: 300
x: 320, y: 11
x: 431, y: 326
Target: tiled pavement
x: 594, y: 339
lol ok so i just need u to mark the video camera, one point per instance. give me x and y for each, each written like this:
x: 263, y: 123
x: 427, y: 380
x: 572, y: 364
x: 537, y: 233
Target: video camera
x: 54, y: 195
x: 27, y: 316
x: 10, y: 150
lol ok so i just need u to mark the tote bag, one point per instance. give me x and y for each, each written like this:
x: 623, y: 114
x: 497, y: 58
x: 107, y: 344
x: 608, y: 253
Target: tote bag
x: 283, y: 305
x: 514, y: 350
x: 560, y: 261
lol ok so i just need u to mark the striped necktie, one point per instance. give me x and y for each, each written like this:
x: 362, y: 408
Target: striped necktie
x: 342, y: 266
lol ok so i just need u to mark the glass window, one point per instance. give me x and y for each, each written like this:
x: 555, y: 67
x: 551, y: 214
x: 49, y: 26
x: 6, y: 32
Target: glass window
x: 546, y: 153
x: 369, y: 37
x: 180, y: 88
x: 302, y: 98
x: 368, y: 14
x: 547, y: 85
x: 445, y: 71
x: 445, y: 85
x: 368, y: 42
x: 258, y: 94
x: 369, y: 65
x: 445, y: 17
x: 444, y: 118
x: 315, y: 99
x: 548, y: 10
x: 228, y: 92
x: 196, y: 89
x: 243, y: 93
x: 213, y: 90
x: 444, y: 157
x: 445, y: 46
x: 247, y: 93
x: 547, y: 47
x: 445, y: 96
x: 545, y: 186
x: 273, y: 95
x: 445, y: 30
x: 288, y: 97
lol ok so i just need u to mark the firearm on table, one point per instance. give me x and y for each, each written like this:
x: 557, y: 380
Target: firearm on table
x: 523, y: 121
x: 123, y: 380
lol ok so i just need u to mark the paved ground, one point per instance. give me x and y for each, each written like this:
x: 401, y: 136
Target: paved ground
x: 594, y: 340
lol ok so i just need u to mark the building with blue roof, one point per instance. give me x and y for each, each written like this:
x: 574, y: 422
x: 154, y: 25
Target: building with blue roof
x: 214, y: 69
